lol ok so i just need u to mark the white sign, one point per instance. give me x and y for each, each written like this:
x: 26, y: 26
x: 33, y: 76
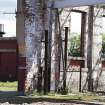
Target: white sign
x: 75, y: 3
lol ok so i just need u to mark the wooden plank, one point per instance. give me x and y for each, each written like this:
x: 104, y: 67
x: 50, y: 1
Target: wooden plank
x: 75, y: 3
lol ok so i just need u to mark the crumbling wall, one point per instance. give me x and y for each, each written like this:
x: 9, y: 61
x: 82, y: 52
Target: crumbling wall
x: 34, y: 30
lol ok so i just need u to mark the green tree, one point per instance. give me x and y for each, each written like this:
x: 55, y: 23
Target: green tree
x: 74, y: 49
x: 103, y: 45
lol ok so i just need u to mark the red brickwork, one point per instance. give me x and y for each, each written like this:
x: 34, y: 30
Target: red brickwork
x: 21, y: 73
x: 8, y: 59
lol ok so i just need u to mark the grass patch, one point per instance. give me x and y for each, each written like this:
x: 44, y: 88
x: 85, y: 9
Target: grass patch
x: 89, y: 97
x: 15, y: 99
x: 8, y: 86
x: 51, y: 97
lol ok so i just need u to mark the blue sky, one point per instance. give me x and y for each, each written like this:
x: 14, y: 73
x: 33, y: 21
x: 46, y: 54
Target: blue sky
x: 9, y: 20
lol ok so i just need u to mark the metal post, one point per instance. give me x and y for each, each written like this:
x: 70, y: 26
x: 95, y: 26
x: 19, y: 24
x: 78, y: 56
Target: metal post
x: 83, y: 30
x: 90, y: 45
x: 39, y: 87
x: 49, y: 44
x: 46, y: 64
x: 65, y: 58
x: 80, y: 78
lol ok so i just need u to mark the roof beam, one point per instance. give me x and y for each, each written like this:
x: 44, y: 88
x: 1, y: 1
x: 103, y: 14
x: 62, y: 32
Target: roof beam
x: 75, y: 3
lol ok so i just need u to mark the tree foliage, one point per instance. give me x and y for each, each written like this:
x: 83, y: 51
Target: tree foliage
x: 74, y: 49
x: 103, y: 45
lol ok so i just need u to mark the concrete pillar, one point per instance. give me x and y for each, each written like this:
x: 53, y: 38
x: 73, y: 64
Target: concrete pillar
x: 97, y: 45
x: 30, y: 31
x: 21, y: 46
x: 33, y: 33
x: 94, y: 48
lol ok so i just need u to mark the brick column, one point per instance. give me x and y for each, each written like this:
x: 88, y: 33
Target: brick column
x: 21, y: 73
x: 21, y: 46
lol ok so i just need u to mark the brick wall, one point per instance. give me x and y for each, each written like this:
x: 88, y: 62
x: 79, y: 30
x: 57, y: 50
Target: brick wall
x: 8, y: 59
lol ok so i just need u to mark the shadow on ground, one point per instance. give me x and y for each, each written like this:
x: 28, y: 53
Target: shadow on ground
x: 15, y: 98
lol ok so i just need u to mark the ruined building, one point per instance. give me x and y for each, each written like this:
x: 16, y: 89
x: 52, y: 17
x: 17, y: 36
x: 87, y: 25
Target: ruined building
x: 42, y: 35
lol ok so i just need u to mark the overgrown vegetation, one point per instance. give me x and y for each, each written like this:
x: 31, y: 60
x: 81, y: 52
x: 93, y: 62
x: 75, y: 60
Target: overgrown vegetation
x: 74, y: 49
x: 53, y: 98
x: 8, y: 86
x: 103, y: 45
x: 36, y: 97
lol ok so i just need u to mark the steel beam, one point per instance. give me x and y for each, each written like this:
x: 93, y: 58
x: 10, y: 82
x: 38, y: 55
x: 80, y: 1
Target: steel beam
x: 75, y: 3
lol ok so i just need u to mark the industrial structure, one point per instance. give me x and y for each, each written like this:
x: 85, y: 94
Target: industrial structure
x: 43, y: 33
x: 8, y: 57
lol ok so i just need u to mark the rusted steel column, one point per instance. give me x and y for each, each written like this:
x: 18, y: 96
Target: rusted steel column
x: 90, y: 46
x: 82, y: 65
x: 20, y: 28
x: 83, y: 31
x: 46, y: 64
x: 21, y: 59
